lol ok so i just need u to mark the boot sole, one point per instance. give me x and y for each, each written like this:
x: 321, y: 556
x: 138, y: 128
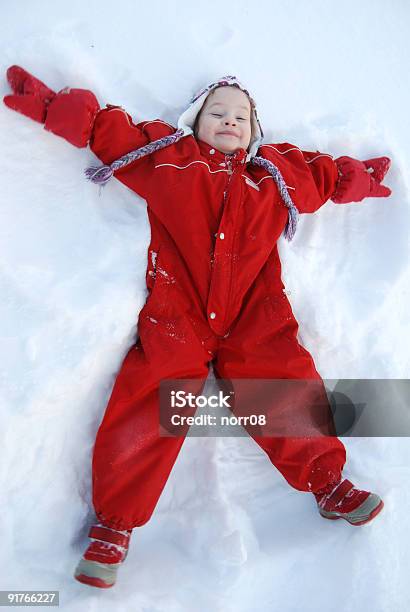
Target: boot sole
x: 93, y: 573
x: 334, y: 516
x: 95, y: 582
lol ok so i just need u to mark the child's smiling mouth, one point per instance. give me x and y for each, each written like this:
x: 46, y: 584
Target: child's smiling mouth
x: 227, y: 134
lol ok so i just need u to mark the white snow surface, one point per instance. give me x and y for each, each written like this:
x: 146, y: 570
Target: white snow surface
x: 229, y: 534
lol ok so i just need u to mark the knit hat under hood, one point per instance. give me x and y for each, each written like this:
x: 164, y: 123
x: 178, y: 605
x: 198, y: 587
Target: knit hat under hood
x: 102, y: 174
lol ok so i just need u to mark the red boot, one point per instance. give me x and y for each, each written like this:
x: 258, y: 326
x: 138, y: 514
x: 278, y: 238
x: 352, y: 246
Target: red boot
x: 345, y: 501
x: 100, y: 562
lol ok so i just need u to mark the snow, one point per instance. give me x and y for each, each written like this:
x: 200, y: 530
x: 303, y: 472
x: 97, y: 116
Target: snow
x: 228, y: 534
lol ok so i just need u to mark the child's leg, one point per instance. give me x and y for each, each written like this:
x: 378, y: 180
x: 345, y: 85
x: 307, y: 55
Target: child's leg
x: 307, y: 464
x: 259, y: 348
x: 131, y: 461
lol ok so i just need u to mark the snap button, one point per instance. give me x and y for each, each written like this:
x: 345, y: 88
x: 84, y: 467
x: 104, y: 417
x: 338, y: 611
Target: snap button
x: 212, y: 151
x: 221, y: 235
x: 212, y: 315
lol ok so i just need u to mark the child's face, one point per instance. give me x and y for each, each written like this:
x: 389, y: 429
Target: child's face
x: 226, y: 109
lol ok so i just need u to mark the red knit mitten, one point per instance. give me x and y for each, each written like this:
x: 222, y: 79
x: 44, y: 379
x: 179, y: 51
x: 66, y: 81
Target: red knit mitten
x: 360, y: 179
x: 70, y: 113
x: 30, y: 97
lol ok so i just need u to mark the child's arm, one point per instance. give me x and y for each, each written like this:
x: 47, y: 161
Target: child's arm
x: 315, y: 178
x: 76, y: 116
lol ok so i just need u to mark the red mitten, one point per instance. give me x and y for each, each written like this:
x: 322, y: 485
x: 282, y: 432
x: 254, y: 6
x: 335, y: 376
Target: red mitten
x: 360, y: 179
x: 70, y: 113
x: 31, y: 97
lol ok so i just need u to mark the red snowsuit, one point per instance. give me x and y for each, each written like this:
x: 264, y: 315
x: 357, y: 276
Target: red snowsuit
x: 215, y: 290
x: 215, y: 294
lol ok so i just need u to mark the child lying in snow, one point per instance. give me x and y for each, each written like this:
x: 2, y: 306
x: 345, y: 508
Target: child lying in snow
x: 218, y: 199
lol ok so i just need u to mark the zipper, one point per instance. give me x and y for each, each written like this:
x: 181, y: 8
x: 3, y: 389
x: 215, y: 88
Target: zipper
x: 228, y: 161
x: 229, y: 164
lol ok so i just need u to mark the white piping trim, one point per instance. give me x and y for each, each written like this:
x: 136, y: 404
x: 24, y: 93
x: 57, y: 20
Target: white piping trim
x: 297, y: 149
x: 282, y: 152
x: 122, y: 111
x: 216, y: 171
x: 158, y: 121
x: 321, y: 155
x: 268, y: 176
x: 187, y: 166
x: 118, y: 108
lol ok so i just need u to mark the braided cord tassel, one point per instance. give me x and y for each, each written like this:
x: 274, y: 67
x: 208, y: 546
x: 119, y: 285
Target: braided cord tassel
x: 100, y: 175
x: 293, y: 212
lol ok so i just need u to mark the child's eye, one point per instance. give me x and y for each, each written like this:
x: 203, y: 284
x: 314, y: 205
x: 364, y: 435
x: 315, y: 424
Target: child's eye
x: 217, y: 115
